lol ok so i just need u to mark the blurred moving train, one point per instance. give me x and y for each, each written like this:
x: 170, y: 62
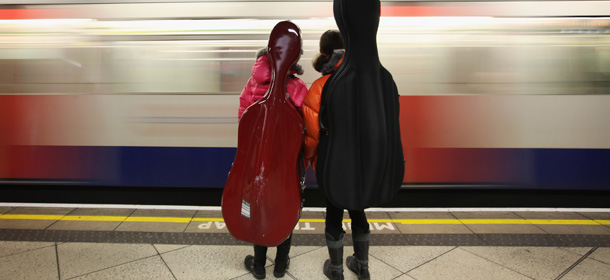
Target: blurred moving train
x: 497, y: 94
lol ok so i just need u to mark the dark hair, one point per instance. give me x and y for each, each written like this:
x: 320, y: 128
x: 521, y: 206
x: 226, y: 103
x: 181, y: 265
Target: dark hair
x: 329, y: 42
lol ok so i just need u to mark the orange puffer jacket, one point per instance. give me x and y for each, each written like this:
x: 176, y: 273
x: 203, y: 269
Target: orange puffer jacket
x: 311, y: 109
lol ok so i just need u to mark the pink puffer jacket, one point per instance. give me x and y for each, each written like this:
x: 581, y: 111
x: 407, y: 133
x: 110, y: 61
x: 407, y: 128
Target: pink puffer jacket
x: 258, y: 84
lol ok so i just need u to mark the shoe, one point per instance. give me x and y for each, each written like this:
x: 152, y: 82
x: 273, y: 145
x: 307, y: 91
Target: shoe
x: 257, y: 271
x: 361, y: 268
x: 333, y: 267
x: 359, y: 262
x: 280, y: 269
x: 331, y: 271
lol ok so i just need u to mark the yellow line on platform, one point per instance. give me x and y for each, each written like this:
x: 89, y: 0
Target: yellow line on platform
x: 313, y: 220
x: 396, y: 221
x: 158, y: 219
x: 423, y: 221
x: 495, y: 221
x: 30, y: 217
x: 499, y: 221
x: 563, y: 222
x: 208, y: 220
x: 94, y: 218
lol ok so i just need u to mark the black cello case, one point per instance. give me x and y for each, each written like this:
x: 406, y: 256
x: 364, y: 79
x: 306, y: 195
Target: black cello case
x: 360, y: 158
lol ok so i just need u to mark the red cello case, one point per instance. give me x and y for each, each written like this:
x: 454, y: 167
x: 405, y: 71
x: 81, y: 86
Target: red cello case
x: 261, y: 201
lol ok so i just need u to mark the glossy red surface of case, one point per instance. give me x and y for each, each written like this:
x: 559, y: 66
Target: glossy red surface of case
x: 261, y: 201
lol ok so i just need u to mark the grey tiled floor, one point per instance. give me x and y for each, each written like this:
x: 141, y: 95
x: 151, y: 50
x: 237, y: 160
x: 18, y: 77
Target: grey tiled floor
x: 49, y: 260
x: 100, y: 260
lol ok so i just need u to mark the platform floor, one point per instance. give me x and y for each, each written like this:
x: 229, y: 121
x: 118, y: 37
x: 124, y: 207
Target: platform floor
x: 162, y: 242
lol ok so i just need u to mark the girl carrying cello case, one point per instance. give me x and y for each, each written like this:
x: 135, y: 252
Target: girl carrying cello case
x: 360, y: 158
x: 261, y: 201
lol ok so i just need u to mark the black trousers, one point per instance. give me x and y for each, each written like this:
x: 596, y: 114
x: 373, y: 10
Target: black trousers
x: 334, y: 219
x: 260, y: 252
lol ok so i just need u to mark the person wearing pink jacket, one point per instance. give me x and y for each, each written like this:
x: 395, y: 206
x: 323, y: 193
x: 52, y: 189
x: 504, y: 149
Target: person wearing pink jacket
x: 259, y: 83
x: 255, y: 89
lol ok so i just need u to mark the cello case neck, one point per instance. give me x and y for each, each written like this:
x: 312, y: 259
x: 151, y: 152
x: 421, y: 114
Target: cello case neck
x: 284, y: 50
x: 358, y: 21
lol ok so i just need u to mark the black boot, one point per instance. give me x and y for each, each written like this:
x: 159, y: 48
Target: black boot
x: 359, y: 262
x: 256, y: 263
x: 333, y: 267
x: 282, y: 261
